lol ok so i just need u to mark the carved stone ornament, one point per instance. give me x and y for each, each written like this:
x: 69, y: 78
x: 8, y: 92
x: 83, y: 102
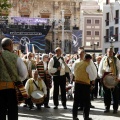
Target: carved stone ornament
x: 24, y: 10
x: 14, y: 4
x: 45, y: 11
x: 67, y: 11
x: 56, y: 5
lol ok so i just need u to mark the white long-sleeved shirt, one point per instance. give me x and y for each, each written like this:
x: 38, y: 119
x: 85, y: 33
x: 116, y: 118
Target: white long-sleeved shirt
x: 101, y: 71
x: 27, y: 85
x: 91, y: 69
x: 45, y: 65
x: 22, y: 69
x: 51, y: 69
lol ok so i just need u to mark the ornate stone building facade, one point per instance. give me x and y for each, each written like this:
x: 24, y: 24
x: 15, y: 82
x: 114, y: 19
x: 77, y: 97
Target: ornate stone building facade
x: 63, y: 15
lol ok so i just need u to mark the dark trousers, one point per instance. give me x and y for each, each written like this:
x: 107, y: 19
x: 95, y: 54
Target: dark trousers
x: 59, y: 81
x: 107, y: 97
x: 97, y: 83
x: 8, y: 104
x: 67, y: 76
x: 119, y: 91
x: 29, y: 102
x: 81, y: 95
x: 46, y: 101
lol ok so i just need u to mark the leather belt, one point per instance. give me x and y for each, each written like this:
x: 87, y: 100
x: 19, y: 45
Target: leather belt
x: 7, y: 85
x: 77, y: 81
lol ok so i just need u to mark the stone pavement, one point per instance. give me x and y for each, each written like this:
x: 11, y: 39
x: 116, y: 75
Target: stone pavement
x: 61, y: 114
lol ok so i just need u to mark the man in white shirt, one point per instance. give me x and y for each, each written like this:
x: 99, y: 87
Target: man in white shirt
x: 84, y: 73
x: 12, y: 69
x: 35, y: 83
x: 110, y: 65
x: 56, y: 67
x: 98, y: 79
x: 81, y: 54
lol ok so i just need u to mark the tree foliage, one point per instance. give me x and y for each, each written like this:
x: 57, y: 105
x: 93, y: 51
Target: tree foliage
x: 4, y: 6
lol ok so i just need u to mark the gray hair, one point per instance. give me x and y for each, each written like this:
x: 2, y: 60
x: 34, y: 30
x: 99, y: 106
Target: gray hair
x: 44, y: 55
x: 6, y: 42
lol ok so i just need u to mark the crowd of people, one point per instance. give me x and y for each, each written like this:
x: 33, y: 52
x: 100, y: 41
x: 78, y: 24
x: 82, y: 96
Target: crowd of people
x: 43, y: 72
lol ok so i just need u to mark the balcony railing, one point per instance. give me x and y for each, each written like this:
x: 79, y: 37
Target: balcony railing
x: 115, y: 37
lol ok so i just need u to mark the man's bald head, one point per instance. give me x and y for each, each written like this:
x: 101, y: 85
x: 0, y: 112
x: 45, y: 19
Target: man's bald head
x: 6, y: 43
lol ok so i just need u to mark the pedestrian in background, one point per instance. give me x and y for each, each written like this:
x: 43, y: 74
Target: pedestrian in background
x: 97, y: 88
x: 42, y: 68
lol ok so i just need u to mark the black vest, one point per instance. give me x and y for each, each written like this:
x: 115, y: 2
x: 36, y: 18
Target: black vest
x: 56, y: 65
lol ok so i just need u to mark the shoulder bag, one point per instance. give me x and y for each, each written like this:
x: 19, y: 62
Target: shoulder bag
x: 21, y: 93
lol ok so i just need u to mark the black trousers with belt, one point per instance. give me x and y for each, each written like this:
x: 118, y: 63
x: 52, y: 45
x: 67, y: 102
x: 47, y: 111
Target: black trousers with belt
x: 81, y: 95
x: 59, y: 81
x: 107, y: 97
x: 97, y: 83
x: 8, y: 104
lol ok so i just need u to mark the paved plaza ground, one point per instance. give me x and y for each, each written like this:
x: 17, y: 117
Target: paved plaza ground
x: 96, y: 113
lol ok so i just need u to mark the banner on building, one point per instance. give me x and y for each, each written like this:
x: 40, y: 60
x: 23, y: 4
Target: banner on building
x: 34, y: 38
x: 76, y: 40
x: 29, y: 21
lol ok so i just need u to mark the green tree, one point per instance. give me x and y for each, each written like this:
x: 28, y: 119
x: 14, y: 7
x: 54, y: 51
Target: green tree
x: 4, y: 6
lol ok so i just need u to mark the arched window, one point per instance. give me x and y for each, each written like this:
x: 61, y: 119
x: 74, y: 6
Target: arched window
x: 24, y: 12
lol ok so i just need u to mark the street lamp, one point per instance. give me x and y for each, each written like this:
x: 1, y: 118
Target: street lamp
x: 111, y: 40
x: 62, y: 31
x: 94, y: 46
x: 13, y: 37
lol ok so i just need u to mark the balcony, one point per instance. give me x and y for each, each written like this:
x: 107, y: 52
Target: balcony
x: 115, y: 37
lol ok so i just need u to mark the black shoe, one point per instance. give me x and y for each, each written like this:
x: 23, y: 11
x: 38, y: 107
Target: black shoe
x: 88, y: 118
x: 80, y: 109
x: 30, y: 107
x: 39, y: 107
x: 75, y: 119
x: 46, y: 106
x: 107, y: 111
x: 6, y: 112
x: 95, y: 97
x: 56, y: 107
x: 114, y: 111
x: 24, y: 105
x: 91, y: 106
x: 65, y: 107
